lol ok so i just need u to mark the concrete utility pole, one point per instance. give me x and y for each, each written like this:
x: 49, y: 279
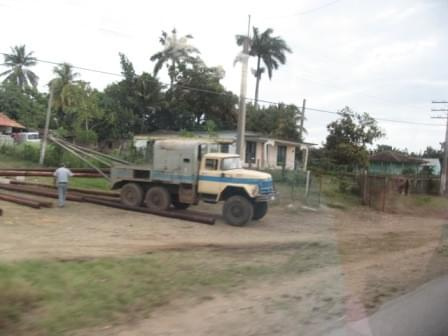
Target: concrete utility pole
x: 241, y: 128
x: 443, y: 177
x: 47, y: 126
x: 302, y: 119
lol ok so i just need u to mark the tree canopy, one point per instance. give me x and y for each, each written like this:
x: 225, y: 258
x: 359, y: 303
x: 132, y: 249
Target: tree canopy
x: 18, y: 63
x: 348, y: 137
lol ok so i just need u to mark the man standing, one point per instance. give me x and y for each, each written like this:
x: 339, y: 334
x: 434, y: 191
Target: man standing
x: 61, y: 177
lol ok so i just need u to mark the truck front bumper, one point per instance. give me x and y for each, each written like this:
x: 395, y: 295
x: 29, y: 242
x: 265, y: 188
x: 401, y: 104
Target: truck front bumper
x: 266, y: 198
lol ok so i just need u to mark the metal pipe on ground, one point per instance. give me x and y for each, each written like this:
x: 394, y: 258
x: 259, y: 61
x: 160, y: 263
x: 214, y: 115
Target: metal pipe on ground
x: 78, y: 190
x: 38, y: 192
x: 20, y: 201
x: 74, y: 170
x: 206, y: 219
x: 42, y: 173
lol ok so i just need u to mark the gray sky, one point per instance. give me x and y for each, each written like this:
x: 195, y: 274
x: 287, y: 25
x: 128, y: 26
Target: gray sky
x: 384, y: 57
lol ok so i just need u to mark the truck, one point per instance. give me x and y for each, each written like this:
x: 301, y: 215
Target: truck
x: 181, y: 173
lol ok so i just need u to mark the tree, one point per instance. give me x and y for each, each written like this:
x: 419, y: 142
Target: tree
x: 267, y: 48
x: 279, y: 121
x: 208, y: 101
x: 27, y: 106
x: 349, y: 136
x: 18, y: 62
x: 175, y: 52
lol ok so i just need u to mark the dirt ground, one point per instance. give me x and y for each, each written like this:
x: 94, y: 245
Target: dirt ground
x: 378, y: 257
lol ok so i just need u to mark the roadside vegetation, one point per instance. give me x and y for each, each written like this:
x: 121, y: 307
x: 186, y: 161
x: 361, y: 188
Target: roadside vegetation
x: 54, y: 297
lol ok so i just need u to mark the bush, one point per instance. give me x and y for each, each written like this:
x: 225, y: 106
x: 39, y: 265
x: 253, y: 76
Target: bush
x: 86, y: 137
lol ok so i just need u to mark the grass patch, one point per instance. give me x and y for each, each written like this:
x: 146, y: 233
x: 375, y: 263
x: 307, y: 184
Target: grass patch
x: 10, y: 162
x: 54, y: 297
x: 89, y: 183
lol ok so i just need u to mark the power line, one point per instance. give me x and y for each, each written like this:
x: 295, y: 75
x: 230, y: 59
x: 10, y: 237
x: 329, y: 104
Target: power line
x: 231, y: 94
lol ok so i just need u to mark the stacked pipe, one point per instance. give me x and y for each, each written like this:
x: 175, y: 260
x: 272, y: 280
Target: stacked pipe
x: 36, y: 204
x: 38, y: 173
x: 83, y: 195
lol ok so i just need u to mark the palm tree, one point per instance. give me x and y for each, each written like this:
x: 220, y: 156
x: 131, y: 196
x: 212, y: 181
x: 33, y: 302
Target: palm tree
x: 175, y: 52
x: 267, y: 48
x: 65, y: 76
x: 18, y: 62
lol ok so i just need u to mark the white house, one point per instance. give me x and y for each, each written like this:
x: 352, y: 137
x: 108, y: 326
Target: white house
x: 262, y: 152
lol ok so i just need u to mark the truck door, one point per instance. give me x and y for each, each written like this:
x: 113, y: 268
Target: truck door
x: 210, y: 178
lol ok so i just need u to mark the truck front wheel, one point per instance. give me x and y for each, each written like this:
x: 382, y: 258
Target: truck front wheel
x: 131, y: 195
x: 260, y: 210
x: 238, y: 210
x: 157, y: 198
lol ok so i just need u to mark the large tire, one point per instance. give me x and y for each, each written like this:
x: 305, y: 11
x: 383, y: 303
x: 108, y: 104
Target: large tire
x: 131, y: 195
x: 260, y: 210
x: 180, y: 205
x: 157, y: 198
x: 238, y: 210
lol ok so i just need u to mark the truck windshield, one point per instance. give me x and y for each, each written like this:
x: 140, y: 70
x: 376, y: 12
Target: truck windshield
x: 231, y: 163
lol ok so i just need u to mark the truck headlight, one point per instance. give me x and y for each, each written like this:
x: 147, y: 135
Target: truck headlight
x: 255, y: 190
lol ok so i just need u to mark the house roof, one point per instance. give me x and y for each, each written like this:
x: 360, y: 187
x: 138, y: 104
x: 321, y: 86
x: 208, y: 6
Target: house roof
x: 8, y: 122
x: 221, y: 137
x: 390, y: 156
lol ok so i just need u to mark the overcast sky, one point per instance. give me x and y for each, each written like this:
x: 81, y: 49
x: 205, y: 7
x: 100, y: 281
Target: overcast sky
x: 384, y: 57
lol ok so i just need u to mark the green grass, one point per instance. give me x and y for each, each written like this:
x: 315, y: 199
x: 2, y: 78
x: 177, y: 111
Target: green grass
x: 53, y: 297
x: 89, y: 183
x: 9, y: 162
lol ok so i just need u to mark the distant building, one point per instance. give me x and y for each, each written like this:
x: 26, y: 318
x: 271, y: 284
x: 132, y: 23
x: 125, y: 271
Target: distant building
x: 8, y: 127
x: 393, y: 163
x: 433, y: 164
x: 262, y: 152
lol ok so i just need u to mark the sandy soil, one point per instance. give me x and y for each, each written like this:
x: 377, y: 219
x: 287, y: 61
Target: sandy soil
x: 380, y: 256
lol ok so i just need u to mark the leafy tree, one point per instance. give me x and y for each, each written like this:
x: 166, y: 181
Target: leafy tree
x: 27, y: 106
x: 208, y: 101
x: 432, y: 153
x: 176, y: 51
x: 132, y: 105
x: 279, y: 121
x: 82, y: 105
x: 18, y: 62
x: 65, y: 76
x: 349, y: 136
x: 267, y: 48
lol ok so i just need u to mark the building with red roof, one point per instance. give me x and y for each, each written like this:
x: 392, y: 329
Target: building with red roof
x: 8, y: 125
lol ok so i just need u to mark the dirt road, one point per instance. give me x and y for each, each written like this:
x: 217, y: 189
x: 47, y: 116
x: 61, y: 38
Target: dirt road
x: 374, y: 257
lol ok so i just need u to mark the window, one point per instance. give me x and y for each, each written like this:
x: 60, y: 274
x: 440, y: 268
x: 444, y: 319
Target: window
x: 211, y: 164
x: 224, y: 148
x: 251, y: 151
x: 281, y: 155
x: 231, y: 163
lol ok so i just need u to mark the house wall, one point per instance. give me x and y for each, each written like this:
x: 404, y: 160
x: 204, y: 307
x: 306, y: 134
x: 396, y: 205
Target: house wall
x: 391, y: 168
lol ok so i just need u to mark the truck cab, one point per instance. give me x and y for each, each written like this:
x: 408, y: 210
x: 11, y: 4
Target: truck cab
x: 182, y: 173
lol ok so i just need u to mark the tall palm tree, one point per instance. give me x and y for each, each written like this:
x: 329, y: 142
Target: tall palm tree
x: 267, y: 48
x: 176, y: 50
x: 65, y: 76
x: 18, y: 62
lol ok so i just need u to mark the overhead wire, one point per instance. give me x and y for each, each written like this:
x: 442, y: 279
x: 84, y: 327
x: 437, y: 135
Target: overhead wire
x: 230, y: 94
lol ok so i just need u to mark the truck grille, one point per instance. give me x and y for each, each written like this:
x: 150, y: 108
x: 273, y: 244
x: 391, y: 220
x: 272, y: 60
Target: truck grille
x: 266, y: 187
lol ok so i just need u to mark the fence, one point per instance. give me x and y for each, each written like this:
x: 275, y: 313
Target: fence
x: 383, y: 192
x: 298, y: 185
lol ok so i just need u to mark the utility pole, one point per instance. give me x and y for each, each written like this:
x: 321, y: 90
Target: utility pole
x: 302, y: 119
x: 241, y: 127
x: 443, y: 177
x: 47, y: 126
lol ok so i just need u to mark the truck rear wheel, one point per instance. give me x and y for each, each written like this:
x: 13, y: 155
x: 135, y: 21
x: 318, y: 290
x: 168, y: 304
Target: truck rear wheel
x: 157, y: 198
x: 131, y: 195
x: 260, y: 210
x: 237, y: 210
